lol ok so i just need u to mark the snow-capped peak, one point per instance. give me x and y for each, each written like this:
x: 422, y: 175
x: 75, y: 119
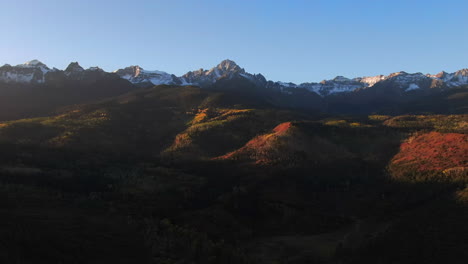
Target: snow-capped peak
x: 137, y: 75
x: 459, y: 77
x: 30, y: 72
x: 36, y: 65
x: 33, y: 63
x: 441, y: 75
x: 225, y: 69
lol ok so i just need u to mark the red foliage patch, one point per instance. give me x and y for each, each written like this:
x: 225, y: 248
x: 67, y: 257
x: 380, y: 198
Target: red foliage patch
x: 434, y: 151
x: 283, y: 127
x: 259, y: 143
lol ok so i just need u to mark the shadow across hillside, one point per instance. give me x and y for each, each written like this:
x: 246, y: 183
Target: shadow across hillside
x: 94, y: 183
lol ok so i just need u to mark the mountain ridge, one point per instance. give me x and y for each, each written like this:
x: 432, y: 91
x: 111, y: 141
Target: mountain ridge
x: 35, y: 72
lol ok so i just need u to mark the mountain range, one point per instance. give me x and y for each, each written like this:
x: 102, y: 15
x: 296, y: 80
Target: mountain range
x: 37, y: 72
x: 33, y: 89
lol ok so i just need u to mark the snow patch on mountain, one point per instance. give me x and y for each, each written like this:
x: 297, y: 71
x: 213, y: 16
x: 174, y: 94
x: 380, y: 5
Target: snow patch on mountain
x: 30, y: 72
x: 402, y: 80
x: 137, y: 75
x: 412, y: 87
x: 17, y: 77
x: 370, y: 81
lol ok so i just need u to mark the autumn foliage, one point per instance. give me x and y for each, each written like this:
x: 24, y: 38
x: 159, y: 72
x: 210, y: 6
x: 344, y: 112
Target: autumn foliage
x: 433, y: 151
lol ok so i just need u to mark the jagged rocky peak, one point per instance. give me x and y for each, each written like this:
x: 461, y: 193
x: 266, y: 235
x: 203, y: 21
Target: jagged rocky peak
x: 406, y: 76
x: 74, y: 67
x: 199, y: 71
x: 201, y: 77
x: 440, y: 75
x: 130, y: 71
x: 462, y: 72
x: 260, y: 77
x: 457, y: 78
x: 340, y: 79
x: 395, y: 74
x: 460, y: 77
x: 227, y: 68
x: 74, y: 71
x: 228, y: 65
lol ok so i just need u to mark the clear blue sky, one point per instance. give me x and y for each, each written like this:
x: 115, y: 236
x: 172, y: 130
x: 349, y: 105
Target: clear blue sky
x: 294, y: 40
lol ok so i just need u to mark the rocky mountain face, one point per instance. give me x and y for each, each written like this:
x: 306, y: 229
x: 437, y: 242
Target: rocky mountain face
x: 452, y: 79
x: 74, y: 71
x: 227, y: 69
x: 137, y: 75
x: 30, y: 72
